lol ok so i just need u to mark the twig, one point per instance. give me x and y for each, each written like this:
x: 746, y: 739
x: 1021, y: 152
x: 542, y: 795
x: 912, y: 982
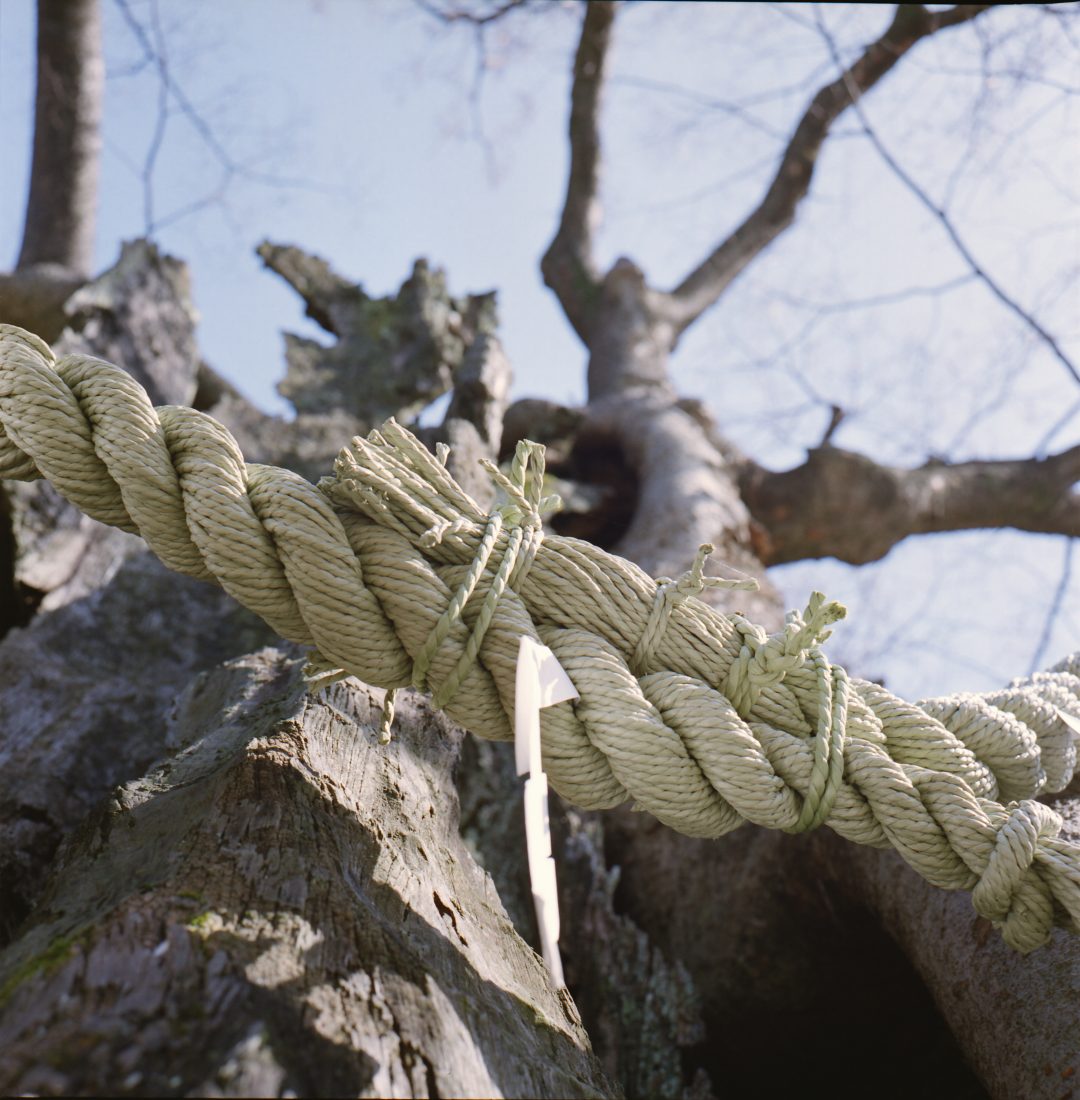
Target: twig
x: 1044, y: 444
x: 946, y: 222
x: 155, y: 55
x: 1055, y: 607
x: 161, y: 122
x: 911, y: 23
x: 463, y: 15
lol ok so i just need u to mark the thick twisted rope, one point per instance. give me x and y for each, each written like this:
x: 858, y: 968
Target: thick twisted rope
x: 395, y: 575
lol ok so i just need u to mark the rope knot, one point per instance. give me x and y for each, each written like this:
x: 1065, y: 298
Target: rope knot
x: 764, y: 660
x: 524, y: 486
x: 669, y: 593
x: 1005, y: 893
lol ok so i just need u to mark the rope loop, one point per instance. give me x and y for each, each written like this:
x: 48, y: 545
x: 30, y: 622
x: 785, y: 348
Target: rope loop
x: 827, y: 774
x: 1004, y: 893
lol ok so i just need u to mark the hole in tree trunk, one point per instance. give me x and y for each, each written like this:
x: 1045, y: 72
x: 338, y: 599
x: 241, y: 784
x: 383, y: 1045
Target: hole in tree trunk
x: 597, y: 459
x: 800, y: 987
x: 870, y: 1028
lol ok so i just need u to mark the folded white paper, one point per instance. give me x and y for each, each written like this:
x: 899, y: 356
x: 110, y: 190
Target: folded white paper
x: 540, y: 682
x: 1069, y: 720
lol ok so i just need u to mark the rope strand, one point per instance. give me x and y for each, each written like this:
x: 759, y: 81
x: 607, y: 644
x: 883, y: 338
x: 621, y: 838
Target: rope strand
x: 394, y: 574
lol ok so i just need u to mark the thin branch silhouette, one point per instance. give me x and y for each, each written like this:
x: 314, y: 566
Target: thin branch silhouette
x: 1054, y: 610
x: 920, y: 193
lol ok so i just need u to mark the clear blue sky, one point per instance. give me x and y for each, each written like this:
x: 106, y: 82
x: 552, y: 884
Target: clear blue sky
x: 366, y: 103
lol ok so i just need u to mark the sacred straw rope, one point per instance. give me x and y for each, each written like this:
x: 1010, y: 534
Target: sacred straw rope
x: 395, y: 575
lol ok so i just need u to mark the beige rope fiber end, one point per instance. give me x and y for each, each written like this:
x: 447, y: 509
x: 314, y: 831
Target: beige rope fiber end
x: 392, y: 573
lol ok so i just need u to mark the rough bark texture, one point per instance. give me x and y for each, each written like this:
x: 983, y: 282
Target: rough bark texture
x: 83, y: 694
x: 687, y: 962
x: 139, y: 314
x: 284, y: 905
x: 774, y: 938
x: 640, y: 1007
x: 84, y: 686
x: 89, y: 703
x: 1015, y: 1018
x: 392, y: 356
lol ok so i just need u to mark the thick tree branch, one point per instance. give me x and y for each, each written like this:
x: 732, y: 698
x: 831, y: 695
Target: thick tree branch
x: 911, y: 23
x: 568, y: 266
x: 61, y: 205
x: 844, y: 505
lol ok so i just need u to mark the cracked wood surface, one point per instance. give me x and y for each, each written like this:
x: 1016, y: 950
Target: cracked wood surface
x: 284, y: 904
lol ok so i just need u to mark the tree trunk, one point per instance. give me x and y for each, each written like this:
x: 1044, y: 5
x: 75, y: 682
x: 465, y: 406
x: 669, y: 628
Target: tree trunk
x: 61, y: 207
x: 273, y: 822
x: 284, y: 904
x: 219, y: 883
x: 57, y: 251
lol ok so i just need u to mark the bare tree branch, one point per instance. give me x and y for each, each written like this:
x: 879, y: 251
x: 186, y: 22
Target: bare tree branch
x: 939, y: 213
x: 170, y: 90
x: 844, y: 505
x: 1060, y: 592
x: 62, y: 204
x: 705, y: 103
x: 478, y: 20
x: 568, y: 266
x: 161, y: 121
x: 461, y: 14
x: 704, y: 285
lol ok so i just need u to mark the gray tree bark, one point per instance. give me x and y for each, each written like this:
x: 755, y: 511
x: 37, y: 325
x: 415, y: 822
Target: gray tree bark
x: 281, y: 905
x: 779, y: 935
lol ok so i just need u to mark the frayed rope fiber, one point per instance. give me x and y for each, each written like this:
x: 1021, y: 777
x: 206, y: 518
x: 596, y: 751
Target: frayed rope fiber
x: 393, y: 574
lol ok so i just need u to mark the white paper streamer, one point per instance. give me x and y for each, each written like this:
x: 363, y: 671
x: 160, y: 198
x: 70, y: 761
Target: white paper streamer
x: 540, y: 682
x: 1068, y: 719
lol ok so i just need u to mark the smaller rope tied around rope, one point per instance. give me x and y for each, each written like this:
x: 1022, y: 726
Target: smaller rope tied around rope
x: 765, y: 660
x: 392, y: 573
x: 521, y: 515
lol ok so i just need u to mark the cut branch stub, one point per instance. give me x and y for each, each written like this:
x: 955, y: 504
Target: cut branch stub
x: 140, y: 313
x: 393, y: 356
